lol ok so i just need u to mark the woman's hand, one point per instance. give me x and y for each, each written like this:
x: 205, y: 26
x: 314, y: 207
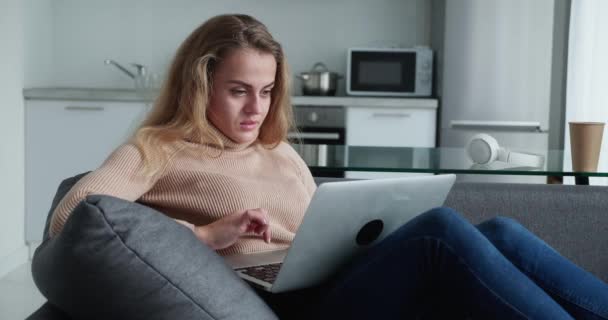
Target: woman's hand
x: 225, y: 232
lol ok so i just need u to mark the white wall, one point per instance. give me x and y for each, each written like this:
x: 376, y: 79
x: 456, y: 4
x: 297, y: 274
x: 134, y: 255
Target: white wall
x: 85, y: 33
x: 587, y: 78
x: 38, y: 42
x: 12, y: 243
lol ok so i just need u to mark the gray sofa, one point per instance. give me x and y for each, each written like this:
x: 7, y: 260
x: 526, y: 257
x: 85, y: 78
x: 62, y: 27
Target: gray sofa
x: 573, y: 219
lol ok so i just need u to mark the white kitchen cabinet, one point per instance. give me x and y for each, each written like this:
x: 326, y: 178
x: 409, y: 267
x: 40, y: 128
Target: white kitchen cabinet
x: 64, y: 138
x: 389, y: 127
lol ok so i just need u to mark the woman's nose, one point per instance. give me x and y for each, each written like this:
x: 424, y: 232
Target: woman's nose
x: 254, y: 105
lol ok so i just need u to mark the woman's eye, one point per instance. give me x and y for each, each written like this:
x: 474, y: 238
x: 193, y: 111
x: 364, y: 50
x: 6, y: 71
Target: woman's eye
x: 238, y: 92
x: 266, y: 92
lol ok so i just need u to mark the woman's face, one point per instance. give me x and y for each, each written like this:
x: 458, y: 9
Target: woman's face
x: 240, y: 98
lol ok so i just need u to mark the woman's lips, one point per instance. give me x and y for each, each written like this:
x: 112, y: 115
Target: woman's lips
x: 249, y: 125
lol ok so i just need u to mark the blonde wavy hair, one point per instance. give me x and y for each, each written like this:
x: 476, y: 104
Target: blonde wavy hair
x: 179, y: 113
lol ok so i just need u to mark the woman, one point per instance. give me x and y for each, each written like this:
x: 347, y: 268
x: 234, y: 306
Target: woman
x: 212, y: 155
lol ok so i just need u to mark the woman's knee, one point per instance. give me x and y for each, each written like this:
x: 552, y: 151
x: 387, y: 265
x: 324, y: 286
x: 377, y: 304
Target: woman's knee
x: 441, y: 223
x: 502, y: 224
x: 502, y: 228
x: 445, y: 225
x: 443, y: 215
x: 445, y: 219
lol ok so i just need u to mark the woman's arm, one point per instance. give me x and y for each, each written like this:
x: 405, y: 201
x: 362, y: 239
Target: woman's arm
x: 118, y: 176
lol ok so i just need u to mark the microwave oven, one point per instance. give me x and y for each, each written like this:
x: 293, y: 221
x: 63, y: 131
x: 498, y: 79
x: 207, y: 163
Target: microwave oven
x: 403, y: 72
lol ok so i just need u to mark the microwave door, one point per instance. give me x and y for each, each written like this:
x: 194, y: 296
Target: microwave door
x: 383, y: 72
x: 389, y: 73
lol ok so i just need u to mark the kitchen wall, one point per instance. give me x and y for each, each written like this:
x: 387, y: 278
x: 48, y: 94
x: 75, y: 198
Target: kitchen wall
x: 12, y: 243
x: 84, y: 33
x: 38, y: 28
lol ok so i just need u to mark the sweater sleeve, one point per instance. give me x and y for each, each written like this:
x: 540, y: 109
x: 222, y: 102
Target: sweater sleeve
x: 118, y: 176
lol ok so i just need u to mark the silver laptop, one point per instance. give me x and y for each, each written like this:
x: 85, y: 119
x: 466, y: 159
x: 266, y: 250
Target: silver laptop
x: 342, y: 219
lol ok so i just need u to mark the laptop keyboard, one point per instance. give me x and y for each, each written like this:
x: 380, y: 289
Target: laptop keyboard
x: 267, y: 272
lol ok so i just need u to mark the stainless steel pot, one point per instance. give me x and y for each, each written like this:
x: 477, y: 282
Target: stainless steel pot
x: 319, y: 81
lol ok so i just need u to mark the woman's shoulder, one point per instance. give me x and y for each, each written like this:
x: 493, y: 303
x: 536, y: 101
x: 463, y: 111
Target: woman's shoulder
x: 301, y: 167
x: 127, y: 150
x: 130, y: 152
x: 131, y: 148
x: 286, y: 149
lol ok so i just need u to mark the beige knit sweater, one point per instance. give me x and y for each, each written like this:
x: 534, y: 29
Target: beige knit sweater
x: 200, y: 187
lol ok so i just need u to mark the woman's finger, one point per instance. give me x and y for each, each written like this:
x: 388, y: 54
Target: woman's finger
x: 260, y: 228
x: 264, y: 231
x: 258, y: 219
x: 256, y: 215
x: 266, y: 235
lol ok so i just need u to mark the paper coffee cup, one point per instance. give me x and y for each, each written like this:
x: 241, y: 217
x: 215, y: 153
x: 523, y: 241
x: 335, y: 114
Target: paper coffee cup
x: 585, y: 144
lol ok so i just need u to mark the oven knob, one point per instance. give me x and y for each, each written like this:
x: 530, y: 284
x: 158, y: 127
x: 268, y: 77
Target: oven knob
x: 313, y: 117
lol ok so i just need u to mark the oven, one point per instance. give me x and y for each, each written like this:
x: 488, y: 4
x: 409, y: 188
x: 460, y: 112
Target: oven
x: 320, y: 138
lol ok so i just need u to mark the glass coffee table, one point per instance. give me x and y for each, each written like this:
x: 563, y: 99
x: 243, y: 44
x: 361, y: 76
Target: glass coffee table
x: 342, y: 158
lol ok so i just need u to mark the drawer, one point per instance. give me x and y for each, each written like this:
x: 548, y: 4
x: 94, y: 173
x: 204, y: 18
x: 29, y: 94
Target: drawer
x: 390, y: 127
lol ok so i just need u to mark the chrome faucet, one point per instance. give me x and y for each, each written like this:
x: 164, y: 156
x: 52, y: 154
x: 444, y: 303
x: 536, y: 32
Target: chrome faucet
x: 141, y: 69
x: 141, y: 79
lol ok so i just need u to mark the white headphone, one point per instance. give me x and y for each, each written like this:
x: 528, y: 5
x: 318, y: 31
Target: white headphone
x: 484, y: 149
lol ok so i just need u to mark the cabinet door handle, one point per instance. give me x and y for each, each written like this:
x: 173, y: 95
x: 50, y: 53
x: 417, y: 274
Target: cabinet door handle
x: 313, y: 135
x: 390, y: 115
x: 497, y: 125
x: 84, y: 108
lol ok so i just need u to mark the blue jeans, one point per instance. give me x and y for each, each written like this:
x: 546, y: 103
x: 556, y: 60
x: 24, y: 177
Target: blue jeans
x: 439, y: 266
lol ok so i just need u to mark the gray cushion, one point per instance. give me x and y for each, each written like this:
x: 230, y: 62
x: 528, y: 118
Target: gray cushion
x: 116, y: 259
x: 48, y: 312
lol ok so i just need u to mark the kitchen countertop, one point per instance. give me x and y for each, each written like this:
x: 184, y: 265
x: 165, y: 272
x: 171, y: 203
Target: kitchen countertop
x: 84, y: 94
x: 131, y: 95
